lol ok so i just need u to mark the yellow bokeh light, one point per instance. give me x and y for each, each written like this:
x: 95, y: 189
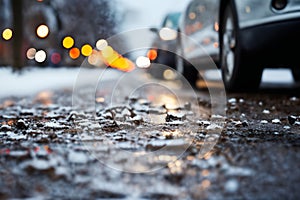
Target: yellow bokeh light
x: 42, y: 31
x: 169, y: 74
x: 7, y: 34
x: 112, y: 58
x: 86, y: 50
x: 68, y: 42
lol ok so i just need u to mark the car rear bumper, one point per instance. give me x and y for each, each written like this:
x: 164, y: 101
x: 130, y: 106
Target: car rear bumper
x: 273, y: 44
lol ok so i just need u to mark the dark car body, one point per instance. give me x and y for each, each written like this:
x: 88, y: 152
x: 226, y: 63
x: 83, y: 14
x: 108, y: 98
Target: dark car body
x: 242, y: 37
x: 165, y: 48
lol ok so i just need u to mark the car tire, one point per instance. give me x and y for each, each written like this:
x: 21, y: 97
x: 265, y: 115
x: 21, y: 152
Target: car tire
x: 238, y: 73
x: 296, y: 74
x: 184, y: 67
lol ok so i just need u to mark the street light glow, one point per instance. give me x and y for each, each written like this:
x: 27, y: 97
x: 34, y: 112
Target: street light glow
x: 42, y: 31
x: 7, y: 34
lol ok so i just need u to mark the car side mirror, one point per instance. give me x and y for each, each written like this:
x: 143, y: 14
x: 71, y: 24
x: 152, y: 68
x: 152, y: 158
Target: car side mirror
x: 154, y: 30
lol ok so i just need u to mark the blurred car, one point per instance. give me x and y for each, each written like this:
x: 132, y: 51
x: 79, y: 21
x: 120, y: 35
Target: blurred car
x: 163, y: 48
x: 241, y: 37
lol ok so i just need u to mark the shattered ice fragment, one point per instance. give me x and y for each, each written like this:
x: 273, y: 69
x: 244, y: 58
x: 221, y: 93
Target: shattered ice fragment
x: 77, y: 157
x: 54, y: 125
x: 232, y: 100
x: 297, y: 123
x: 231, y: 186
x: 175, y: 116
x: 263, y: 121
x: 292, y: 119
x: 266, y: 111
x: 19, y: 153
x: 176, y: 122
x: 203, y: 123
x: 27, y: 111
x: 241, y: 124
x: 15, y: 136
x: 214, y: 127
x: 21, y: 124
x: 38, y: 164
x: 276, y: 121
x: 245, y: 123
x: 286, y: 127
x: 5, y: 128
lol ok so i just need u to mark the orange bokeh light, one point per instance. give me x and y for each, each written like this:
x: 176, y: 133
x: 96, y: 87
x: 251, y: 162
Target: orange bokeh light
x: 74, y: 53
x: 152, y: 54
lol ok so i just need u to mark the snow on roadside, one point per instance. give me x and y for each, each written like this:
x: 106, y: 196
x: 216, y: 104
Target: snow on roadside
x: 34, y: 79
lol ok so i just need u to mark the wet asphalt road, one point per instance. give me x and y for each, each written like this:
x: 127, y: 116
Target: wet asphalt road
x: 151, y: 148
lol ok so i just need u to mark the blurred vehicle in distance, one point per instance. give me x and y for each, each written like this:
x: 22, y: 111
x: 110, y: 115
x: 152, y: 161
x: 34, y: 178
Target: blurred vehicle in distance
x: 241, y: 37
x: 164, y: 44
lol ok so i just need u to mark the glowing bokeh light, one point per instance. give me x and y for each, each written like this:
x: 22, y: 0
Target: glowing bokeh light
x: 96, y: 59
x: 74, y: 53
x: 86, y: 50
x: 40, y: 56
x: 68, y: 42
x: 167, y: 34
x: 152, y: 54
x: 30, y: 54
x: 7, y: 34
x: 112, y: 58
x: 55, y: 58
x: 123, y: 64
x: 107, y: 52
x: 143, y: 62
x: 169, y: 74
x: 101, y: 44
x: 42, y: 31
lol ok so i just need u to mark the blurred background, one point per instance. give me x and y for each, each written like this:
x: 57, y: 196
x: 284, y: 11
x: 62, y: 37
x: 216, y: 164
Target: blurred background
x: 62, y: 33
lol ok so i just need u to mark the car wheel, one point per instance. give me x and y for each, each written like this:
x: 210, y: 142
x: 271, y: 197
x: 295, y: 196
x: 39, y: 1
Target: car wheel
x: 185, y: 68
x: 296, y: 74
x: 239, y: 74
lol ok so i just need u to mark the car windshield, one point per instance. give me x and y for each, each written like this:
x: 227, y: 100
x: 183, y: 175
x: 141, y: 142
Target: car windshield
x: 171, y: 20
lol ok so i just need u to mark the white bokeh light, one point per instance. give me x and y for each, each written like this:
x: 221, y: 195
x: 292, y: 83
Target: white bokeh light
x: 167, y: 34
x: 143, y: 62
x: 101, y: 44
x: 40, y: 56
x: 42, y: 31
